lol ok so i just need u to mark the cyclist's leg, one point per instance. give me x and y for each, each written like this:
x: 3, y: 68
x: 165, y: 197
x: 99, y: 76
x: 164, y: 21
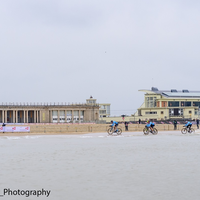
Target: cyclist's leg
x: 151, y: 128
x: 116, y: 127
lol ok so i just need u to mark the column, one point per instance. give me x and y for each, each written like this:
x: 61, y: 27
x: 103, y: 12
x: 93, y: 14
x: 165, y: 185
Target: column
x: 58, y: 116
x: 65, y: 116
x: 13, y: 116
x: 5, y: 116
x: 79, y: 115
x: 34, y: 116
x: 40, y: 116
x: 24, y: 116
x: 27, y: 116
x: 16, y: 116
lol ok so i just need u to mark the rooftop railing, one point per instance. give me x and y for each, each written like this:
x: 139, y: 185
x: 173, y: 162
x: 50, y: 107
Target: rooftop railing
x: 45, y: 104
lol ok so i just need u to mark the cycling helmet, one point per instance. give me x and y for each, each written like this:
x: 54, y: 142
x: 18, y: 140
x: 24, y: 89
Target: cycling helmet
x: 111, y: 121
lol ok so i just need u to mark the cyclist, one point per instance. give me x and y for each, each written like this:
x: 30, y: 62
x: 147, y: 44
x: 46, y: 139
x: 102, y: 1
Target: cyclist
x: 188, y: 125
x: 114, y: 125
x: 150, y: 125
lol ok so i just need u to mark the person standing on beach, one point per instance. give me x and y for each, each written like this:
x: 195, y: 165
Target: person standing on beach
x: 126, y: 126
x: 3, y: 125
x: 175, y: 124
x: 197, y: 121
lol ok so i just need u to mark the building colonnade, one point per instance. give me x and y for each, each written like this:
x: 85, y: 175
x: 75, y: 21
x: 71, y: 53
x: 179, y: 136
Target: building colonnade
x: 40, y: 115
x: 20, y: 116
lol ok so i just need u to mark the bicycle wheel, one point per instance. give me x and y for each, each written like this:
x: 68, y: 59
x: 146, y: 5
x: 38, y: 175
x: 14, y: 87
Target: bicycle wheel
x: 146, y: 131
x: 110, y: 132
x: 184, y: 131
x: 191, y: 130
x: 155, y: 131
x: 119, y: 131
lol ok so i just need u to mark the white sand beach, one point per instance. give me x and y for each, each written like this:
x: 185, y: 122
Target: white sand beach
x: 96, y: 166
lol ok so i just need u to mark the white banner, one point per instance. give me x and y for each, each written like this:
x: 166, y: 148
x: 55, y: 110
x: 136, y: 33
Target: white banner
x: 15, y: 129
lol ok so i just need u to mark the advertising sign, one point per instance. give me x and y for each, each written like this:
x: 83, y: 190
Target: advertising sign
x: 15, y: 129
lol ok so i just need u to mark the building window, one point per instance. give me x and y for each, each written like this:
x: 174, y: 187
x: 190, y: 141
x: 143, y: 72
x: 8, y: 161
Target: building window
x: 190, y: 112
x: 76, y: 113
x: 82, y: 113
x: 108, y: 109
x: 185, y: 103
x: 102, y: 111
x: 161, y: 112
x: 164, y: 104
x: 196, y: 103
x: 150, y: 113
x: 173, y: 103
x: 150, y: 102
x: 176, y: 112
x: 69, y: 113
x: 197, y: 112
x: 92, y: 101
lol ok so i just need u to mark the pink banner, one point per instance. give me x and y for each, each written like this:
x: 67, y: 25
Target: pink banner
x: 15, y: 129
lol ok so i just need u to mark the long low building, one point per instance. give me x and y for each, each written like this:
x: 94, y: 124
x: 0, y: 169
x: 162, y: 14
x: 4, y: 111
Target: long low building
x: 47, y: 113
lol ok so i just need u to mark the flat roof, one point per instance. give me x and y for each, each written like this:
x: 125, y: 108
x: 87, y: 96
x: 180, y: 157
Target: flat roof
x: 181, y: 94
x: 174, y: 93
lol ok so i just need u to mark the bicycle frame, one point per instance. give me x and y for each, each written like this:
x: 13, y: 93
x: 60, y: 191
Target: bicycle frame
x: 115, y: 129
x: 149, y: 129
x: 187, y: 128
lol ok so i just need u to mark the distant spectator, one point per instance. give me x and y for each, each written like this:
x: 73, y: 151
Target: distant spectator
x: 197, y: 121
x: 175, y: 125
x: 3, y: 125
x: 126, y: 126
x: 139, y: 121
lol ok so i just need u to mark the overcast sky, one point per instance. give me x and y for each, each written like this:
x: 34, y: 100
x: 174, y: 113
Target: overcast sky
x: 65, y: 51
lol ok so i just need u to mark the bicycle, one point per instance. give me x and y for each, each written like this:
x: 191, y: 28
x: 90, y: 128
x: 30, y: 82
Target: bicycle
x: 111, y: 131
x: 187, y: 130
x: 147, y: 130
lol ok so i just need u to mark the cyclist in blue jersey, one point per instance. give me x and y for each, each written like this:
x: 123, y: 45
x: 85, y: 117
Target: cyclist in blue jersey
x: 150, y: 125
x: 188, y: 125
x: 114, y: 125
